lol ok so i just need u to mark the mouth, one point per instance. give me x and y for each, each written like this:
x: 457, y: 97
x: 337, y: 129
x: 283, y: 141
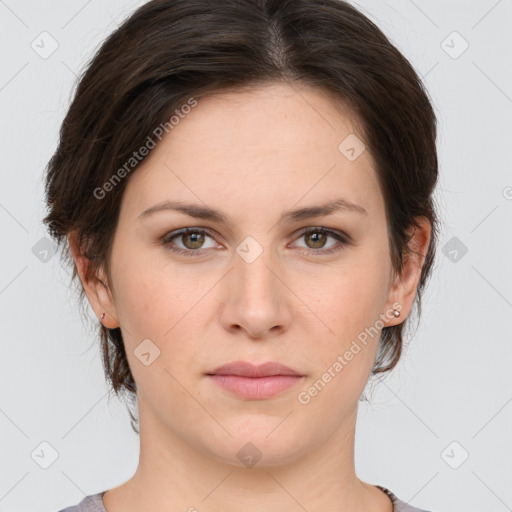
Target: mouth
x: 253, y: 382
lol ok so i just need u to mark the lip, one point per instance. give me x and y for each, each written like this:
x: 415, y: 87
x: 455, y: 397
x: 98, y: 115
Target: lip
x: 255, y: 382
x: 245, y: 369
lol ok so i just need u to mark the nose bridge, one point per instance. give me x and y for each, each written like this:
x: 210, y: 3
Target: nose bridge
x: 253, y: 266
x: 255, y: 300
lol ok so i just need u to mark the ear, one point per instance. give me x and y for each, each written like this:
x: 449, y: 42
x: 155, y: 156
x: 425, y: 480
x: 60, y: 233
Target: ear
x: 95, y: 285
x: 403, y: 291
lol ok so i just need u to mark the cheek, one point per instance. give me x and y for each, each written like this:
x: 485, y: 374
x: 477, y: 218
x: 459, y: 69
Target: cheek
x: 154, y: 304
x: 349, y: 306
x: 149, y: 300
x: 144, y: 305
x: 354, y: 299
x: 345, y: 357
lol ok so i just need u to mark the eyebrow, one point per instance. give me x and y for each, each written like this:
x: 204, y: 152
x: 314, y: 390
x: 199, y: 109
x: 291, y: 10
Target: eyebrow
x: 200, y: 212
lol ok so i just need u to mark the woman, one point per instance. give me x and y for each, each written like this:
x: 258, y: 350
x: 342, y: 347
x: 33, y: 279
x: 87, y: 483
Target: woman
x: 245, y: 188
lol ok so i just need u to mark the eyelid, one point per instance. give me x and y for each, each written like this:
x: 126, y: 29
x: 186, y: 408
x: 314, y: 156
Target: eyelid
x: 167, y: 239
x: 329, y: 231
x: 340, y: 236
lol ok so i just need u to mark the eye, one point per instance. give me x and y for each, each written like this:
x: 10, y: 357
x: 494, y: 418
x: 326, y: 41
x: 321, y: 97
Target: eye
x: 318, y: 237
x: 193, y: 239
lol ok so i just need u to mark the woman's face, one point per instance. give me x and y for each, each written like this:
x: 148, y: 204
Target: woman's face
x: 253, y: 287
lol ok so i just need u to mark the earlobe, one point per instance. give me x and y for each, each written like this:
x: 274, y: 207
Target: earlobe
x: 105, y: 301
x: 95, y: 287
x: 405, y: 285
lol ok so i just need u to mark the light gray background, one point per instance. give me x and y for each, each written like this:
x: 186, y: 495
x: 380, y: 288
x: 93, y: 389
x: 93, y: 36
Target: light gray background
x: 454, y: 382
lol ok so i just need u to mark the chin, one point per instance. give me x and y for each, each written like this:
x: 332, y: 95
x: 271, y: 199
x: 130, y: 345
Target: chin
x: 260, y: 445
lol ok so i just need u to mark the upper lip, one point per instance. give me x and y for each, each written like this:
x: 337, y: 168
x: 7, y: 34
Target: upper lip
x: 245, y: 369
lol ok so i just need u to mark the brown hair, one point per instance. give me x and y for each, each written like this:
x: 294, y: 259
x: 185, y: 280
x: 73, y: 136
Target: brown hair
x: 169, y: 51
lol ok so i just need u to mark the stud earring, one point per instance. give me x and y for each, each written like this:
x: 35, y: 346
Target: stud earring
x: 102, y: 317
x: 396, y: 312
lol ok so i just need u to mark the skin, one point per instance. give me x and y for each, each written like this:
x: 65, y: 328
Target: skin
x: 252, y: 154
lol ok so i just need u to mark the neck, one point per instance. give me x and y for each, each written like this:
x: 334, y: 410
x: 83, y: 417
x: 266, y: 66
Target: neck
x: 174, y: 475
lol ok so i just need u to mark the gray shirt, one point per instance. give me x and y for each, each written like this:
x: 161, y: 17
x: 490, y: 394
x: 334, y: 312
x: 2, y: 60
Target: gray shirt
x: 94, y: 503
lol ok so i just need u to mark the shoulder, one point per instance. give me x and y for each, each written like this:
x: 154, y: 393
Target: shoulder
x: 94, y: 503
x: 91, y: 503
x: 398, y: 504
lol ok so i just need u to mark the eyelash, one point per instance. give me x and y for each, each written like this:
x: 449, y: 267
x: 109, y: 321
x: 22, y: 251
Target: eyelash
x: 167, y: 240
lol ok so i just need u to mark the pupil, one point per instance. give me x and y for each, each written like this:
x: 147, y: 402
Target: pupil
x: 197, y: 239
x: 317, y: 238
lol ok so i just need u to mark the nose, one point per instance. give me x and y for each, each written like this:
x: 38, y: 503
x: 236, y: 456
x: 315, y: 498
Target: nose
x: 255, y: 297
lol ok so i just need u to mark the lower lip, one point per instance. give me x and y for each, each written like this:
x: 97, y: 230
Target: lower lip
x: 256, y: 388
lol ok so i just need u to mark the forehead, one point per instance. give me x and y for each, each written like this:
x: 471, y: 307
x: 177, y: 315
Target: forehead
x: 255, y: 147
x: 304, y: 111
